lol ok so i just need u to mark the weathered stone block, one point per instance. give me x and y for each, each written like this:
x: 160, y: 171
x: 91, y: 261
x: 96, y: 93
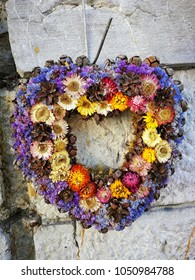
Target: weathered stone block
x: 55, y: 242
x: 1, y: 189
x: 35, y: 38
x: 158, y: 234
x: 5, y: 253
x: 3, y: 17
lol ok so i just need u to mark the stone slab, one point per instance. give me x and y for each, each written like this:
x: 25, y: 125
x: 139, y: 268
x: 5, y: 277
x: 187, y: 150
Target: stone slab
x: 55, y: 242
x: 3, y: 17
x: 42, y: 30
x: 1, y: 189
x: 181, y: 187
x: 5, y: 253
x: 156, y: 235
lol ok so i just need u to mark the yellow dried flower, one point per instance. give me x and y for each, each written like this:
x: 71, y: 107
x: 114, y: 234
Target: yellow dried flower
x: 119, y: 190
x: 86, y: 107
x: 149, y: 154
x: 119, y: 102
x: 150, y: 121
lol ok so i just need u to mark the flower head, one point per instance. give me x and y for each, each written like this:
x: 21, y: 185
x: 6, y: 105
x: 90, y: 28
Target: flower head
x: 137, y: 103
x: 163, y: 151
x: 109, y: 87
x: 91, y: 204
x: 103, y: 108
x: 140, y: 165
x: 79, y: 177
x: 58, y: 112
x: 104, y: 194
x: 119, y: 102
x: 67, y: 102
x: 41, y: 149
x: 86, y: 107
x: 41, y: 113
x: 60, y: 174
x: 150, y: 84
x: 165, y: 115
x: 60, y: 129
x: 131, y: 180
x: 150, y: 137
x: 88, y: 191
x: 60, y: 160
x: 149, y: 154
x: 74, y: 86
x: 119, y: 190
x: 150, y: 120
x: 60, y: 144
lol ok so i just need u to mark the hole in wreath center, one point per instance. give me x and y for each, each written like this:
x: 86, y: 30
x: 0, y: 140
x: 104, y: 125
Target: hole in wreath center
x: 104, y: 144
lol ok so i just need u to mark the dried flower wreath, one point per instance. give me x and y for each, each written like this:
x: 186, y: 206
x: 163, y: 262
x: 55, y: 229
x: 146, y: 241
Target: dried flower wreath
x: 46, y: 148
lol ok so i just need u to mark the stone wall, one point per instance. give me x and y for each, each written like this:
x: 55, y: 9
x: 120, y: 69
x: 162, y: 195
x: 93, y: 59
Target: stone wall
x: 41, y: 30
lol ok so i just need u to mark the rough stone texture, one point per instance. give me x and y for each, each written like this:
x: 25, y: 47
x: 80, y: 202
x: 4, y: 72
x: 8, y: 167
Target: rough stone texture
x: 5, y: 253
x: 113, y: 133
x: 55, y: 242
x: 1, y: 189
x: 138, y: 27
x: 3, y: 17
x: 7, y: 65
x: 48, y: 212
x: 35, y: 38
x: 181, y: 185
x: 156, y: 235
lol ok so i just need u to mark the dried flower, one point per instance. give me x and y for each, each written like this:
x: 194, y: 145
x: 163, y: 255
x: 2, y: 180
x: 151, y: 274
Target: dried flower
x: 103, y: 108
x: 140, y: 165
x: 41, y: 113
x: 163, y: 151
x: 137, y: 103
x: 91, y: 204
x: 104, y: 194
x: 165, y: 115
x: 88, y: 191
x: 59, y: 128
x: 41, y: 149
x: 131, y: 180
x: 150, y: 84
x: 119, y: 102
x: 150, y: 137
x: 58, y: 112
x: 74, y: 86
x: 60, y: 160
x: 149, y: 154
x: 85, y: 107
x: 60, y: 144
x: 150, y: 120
x: 119, y: 190
x: 67, y: 102
x: 79, y: 177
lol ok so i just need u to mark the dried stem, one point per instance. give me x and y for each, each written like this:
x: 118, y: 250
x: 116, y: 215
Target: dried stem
x: 189, y: 243
x: 102, y: 41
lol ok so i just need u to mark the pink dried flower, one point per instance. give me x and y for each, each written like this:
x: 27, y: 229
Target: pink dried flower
x: 104, y: 194
x: 131, y: 180
x: 140, y: 165
x: 150, y: 84
x: 137, y: 103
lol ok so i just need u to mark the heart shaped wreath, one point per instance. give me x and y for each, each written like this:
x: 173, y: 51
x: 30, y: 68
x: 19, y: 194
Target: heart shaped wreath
x: 46, y: 148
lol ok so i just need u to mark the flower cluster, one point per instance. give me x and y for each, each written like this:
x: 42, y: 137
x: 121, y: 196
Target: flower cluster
x: 46, y: 147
